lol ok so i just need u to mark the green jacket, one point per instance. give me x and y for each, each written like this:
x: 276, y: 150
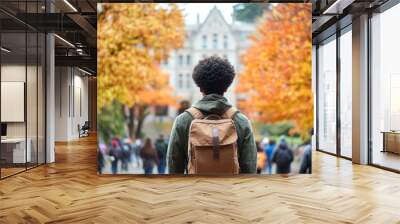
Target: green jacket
x: 211, y: 104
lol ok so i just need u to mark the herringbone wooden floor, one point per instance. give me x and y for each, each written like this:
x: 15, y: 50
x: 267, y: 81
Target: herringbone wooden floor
x: 70, y: 191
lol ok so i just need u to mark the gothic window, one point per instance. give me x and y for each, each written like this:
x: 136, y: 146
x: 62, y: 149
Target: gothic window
x: 188, y: 59
x: 180, y: 81
x: 180, y: 59
x: 188, y: 81
x: 215, y: 41
x: 225, y: 42
x: 204, y: 41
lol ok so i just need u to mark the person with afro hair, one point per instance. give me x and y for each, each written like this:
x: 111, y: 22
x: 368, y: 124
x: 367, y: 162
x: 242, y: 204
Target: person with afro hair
x: 213, y: 76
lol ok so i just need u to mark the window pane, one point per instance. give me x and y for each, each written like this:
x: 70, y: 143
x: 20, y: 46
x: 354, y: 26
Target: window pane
x: 346, y: 94
x: 327, y: 96
x: 225, y: 41
x: 204, y: 41
x: 215, y: 41
x: 14, y: 153
x: 180, y: 60
x: 31, y: 97
x: 188, y: 60
x: 385, y: 90
x: 188, y: 81
x: 180, y: 81
x: 41, y: 99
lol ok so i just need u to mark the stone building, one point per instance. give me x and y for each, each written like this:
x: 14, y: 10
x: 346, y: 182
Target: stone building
x: 213, y: 36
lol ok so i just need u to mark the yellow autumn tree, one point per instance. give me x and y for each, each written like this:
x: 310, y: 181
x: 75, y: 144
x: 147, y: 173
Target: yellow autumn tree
x: 132, y: 41
x: 277, y: 76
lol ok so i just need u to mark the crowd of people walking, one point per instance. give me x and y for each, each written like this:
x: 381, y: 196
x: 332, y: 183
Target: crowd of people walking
x: 270, y: 153
x: 124, y: 155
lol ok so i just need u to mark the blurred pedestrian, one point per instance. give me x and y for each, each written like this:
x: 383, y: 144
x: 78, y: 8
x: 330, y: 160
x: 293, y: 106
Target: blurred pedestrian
x: 261, y: 157
x: 125, y: 154
x: 305, y: 166
x: 283, y: 157
x: 161, y: 147
x: 115, y: 154
x: 306, y: 163
x: 137, y: 146
x: 101, y: 157
x: 149, y: 156
x: 269, y: 149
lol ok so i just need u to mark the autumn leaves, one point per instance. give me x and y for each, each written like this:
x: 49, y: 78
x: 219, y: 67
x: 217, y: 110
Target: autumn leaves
x: 277, y: 74
x: 132, y: 41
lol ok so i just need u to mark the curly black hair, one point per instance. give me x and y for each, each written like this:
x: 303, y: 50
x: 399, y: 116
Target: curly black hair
x: 213, y: 75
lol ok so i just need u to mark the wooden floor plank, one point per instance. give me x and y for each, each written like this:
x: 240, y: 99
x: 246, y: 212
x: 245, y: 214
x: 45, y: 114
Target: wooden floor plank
x: 70, y: 191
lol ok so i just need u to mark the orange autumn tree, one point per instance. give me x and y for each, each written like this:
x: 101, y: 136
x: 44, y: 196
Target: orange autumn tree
x: 133, y: 39
x: 277, y: 76
x: 155, y: 93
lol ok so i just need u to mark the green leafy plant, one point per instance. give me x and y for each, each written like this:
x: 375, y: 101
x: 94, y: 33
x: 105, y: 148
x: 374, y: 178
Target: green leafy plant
x: 111, y: 122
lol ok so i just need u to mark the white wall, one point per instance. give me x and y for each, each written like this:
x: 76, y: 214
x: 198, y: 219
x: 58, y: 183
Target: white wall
x: 33, y: 126
x: 71, y: 103
x: 61, y: 103
x: 12, y: 73
x: 80, y: 103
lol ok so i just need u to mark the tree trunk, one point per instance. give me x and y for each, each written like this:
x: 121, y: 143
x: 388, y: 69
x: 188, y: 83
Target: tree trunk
x: 131, y: 122
x: 140, y: 119
x: 125, y: 115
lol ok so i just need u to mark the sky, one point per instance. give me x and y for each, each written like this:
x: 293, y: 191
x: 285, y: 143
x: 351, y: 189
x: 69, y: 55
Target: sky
x: 192, y: 9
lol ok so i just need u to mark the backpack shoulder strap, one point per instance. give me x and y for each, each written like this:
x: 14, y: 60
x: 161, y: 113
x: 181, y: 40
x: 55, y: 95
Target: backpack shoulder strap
x: 230, y: 113
x: 196, y: 113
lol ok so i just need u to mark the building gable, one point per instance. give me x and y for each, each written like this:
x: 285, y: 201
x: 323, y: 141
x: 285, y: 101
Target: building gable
x: 214, y: 21
x: 214, y: 26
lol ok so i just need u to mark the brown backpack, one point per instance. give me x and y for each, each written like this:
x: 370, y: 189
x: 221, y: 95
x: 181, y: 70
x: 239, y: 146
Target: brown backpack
x: 212, y: 147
